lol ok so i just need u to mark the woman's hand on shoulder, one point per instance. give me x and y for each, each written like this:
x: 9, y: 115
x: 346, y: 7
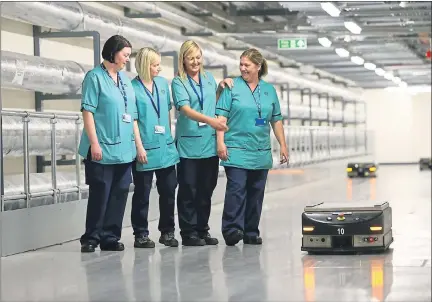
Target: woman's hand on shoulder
x: 227, y: 82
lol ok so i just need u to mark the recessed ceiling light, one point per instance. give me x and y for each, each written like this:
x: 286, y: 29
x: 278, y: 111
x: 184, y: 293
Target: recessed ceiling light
x: 370, y: 66
x: 388, y: 76
x: 342, y: 52
x: 353, y: 27
x: 324, y: 42
x: 330, y: 9
x: 357, y: 60
x: 403, y: 84
x: 397, y: 80
x: 380, y: 72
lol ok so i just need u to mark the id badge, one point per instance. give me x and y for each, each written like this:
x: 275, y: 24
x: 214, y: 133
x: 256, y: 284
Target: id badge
x: 260, y: 122
x: 159, y: 129
x: 126, y: 118
x: 201, y: 124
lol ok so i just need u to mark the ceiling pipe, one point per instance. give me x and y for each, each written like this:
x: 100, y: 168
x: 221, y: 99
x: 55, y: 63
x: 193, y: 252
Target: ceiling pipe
x: 20, y: 71
x: 79, y: 16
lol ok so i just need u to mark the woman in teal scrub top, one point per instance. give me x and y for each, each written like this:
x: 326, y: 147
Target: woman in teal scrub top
x: 249, y: 109
x: 107, y: 145
x: 194, y: 94
x: 156, y: 151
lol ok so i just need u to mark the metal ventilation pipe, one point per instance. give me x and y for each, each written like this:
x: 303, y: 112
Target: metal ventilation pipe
x: 74, y: 16
x: 21, y: 71
x: 78, y: 16
x: 40, y: 74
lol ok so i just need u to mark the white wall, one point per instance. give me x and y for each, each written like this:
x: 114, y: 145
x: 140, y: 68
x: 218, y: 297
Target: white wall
x: 422, y: 124
x: 401, y: 122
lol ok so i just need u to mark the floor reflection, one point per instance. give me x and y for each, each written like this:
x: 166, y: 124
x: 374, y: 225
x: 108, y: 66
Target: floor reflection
x: 370, y: 274
x: 240, y: 287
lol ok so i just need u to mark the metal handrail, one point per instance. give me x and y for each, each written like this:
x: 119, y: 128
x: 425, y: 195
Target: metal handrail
x: 53, y: 117
x: 312, y: 146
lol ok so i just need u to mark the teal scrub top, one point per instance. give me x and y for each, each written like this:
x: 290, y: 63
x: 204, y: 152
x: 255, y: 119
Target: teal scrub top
x: 105, y: 100
x: 248, y: 145
x: 160, y: 147
x: 194, y: 141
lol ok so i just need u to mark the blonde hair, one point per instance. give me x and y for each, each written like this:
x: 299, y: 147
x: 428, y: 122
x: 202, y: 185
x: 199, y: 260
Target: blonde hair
x: 144, y: 58
x: 187, y: 48
x: 257, y: 58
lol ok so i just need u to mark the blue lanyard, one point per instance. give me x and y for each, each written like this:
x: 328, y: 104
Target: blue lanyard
x: 157, y: 109
x: 200, y: 100
x: 120, y: 84
x: 258, y: 103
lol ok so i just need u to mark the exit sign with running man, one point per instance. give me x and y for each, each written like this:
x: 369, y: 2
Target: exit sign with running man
x: 298, y: 43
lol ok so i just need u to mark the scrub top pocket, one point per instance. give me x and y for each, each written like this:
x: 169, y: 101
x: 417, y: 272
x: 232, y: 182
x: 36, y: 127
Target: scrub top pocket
x: 190, y: 144
x: 153, y: 155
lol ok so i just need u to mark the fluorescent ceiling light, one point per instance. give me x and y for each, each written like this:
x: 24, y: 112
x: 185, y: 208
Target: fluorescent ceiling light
x: 324, y: 42
x: 330, y: 9
x: 397, y: 80
x: 388, y: 76
x: 342, y: 52
x: 352, y: 27
x: 380, y: 72
x: 357, y: 60
x: 370, y: 66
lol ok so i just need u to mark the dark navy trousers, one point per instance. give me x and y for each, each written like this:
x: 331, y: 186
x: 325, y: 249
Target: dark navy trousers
x: 244, y: 197
x: 108, y: 192
x: 197, y: 180
x: 166, y: 184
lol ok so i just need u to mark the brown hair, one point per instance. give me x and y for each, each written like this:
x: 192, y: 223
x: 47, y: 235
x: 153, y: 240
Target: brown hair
x: 257, y: 58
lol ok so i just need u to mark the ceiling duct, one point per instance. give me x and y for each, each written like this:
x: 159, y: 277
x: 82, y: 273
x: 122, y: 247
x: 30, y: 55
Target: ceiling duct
x: 73, y: 16
x: 20, y: 71
x: 78, y: 16
x: 40, y: 74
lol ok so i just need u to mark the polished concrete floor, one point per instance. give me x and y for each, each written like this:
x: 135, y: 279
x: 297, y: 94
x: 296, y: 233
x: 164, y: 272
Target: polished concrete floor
x: 275, y: 271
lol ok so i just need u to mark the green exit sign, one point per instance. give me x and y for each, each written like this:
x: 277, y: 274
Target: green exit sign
x: 299, y: 43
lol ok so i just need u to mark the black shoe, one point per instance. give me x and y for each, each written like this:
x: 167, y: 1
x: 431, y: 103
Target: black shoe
x: 88, y: 248
x: 193, y: 240
x: 209, y: 240
x: 143, y: 242
x: 233, y: 238
x: 112, y: 246
x: 256, y: 240
x: 168, y: 239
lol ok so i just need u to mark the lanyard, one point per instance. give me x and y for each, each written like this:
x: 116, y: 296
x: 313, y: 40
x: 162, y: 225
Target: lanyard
x: 156, y: 108
x: 120, y: 84
x: 200, y: 100
x: 258, y: 103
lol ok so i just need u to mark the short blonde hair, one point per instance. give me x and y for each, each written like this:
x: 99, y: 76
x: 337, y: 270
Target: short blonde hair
x: 144, y: 58
x: 186, y: 48
x: 257, y: 58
